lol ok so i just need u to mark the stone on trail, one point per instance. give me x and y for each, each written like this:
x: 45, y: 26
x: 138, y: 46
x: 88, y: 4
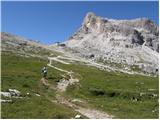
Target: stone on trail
x: 77, y: 116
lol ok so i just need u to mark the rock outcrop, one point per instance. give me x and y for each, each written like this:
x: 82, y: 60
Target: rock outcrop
x: 130, y: 42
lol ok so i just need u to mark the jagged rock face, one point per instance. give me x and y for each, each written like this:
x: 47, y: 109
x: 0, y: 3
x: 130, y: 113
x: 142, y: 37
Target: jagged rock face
x: 132, y: 42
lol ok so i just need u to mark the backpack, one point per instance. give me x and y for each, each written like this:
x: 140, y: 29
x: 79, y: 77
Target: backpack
x: 44, y: 70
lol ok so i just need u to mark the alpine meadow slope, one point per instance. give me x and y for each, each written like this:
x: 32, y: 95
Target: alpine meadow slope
x: 107, y: 69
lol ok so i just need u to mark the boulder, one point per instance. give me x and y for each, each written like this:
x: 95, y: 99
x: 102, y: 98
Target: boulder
x: 6, y: 94
x: 77, y: 116
x: 14, y: 92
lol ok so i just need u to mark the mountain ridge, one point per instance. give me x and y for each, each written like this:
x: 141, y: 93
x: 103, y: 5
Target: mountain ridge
x: 131, y: 42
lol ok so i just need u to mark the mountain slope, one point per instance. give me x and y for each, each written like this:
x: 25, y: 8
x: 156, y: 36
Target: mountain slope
x: 35, y: 101
x: 21, y: 62
x: 74, y: 87
x: 22, y: 46
x: 126, y: 42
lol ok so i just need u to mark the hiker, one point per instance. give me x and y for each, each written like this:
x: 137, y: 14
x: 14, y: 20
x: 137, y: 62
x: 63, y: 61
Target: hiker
x: 44, y: 71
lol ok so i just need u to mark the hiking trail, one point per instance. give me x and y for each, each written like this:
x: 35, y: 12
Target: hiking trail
x: 61, y: 87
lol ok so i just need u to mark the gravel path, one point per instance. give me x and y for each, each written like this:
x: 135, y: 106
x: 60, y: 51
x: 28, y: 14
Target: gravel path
x: 88, y: 112
x: 61, y: 87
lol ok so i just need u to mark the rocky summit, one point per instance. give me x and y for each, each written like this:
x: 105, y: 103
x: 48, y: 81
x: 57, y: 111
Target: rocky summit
x: 132, y: 43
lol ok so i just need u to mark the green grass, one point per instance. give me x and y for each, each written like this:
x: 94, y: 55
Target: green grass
x: 24, y: 74
x: 35, y: 107
x: 114, y: 92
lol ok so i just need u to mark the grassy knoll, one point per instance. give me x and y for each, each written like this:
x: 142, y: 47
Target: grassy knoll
x: 24, y: 75
x: 122, y: 95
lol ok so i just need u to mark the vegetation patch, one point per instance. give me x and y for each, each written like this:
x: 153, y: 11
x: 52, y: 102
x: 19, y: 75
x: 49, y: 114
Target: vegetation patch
x: 24, y: 74
x: 122, y: 95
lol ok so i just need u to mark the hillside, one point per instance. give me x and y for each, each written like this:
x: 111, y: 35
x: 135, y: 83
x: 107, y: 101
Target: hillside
x: 22, y: 46
x: 74, y: 88
x: 131, y: 45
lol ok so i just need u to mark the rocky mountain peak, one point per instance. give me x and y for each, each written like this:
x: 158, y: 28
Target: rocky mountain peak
x: 132, y: 42
x: 93, y: 23
x: 89, y: 16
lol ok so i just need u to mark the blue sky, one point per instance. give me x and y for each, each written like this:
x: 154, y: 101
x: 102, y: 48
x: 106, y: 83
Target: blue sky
x: 51, y: 21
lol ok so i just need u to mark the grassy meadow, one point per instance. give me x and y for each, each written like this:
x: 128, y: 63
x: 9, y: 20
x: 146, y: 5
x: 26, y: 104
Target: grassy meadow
x: 122, y: 95
x: 24, y: 74
x: 118, y: 94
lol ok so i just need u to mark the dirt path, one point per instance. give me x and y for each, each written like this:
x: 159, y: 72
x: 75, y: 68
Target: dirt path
x: 88, y: 112
x: 92, y: 63
x: 44, y: 82
x: 58, y: 60
x: 58, y: 68
x: 63, y: 83
x: 61, y: 87
x: 94, y: 114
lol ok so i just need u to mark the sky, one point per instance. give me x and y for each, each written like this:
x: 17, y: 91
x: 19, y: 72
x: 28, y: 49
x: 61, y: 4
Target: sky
x: 52, y: 21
